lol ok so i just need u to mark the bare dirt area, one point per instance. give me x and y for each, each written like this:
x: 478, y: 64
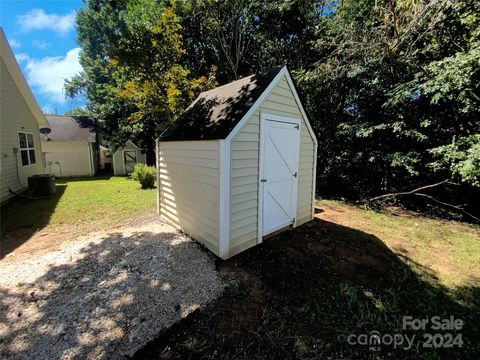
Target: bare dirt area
x: 21, y: 242
x: 102, y: 295
x: 300, y: 294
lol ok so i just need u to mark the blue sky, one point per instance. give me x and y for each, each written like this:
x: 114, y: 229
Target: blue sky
x: 43, y: 38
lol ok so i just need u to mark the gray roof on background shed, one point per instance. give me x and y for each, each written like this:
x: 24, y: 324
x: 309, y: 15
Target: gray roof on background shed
x: 70, y: 128
x: 214, y: 114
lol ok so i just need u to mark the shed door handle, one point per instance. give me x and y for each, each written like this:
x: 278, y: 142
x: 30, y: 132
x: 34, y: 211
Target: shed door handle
x: 263, y: 180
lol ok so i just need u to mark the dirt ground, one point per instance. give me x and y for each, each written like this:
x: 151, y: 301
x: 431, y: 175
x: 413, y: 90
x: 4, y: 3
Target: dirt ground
x: 301, y: 293
x: 22, y: 242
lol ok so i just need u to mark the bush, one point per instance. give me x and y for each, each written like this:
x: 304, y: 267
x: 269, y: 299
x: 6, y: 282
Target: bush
x: 145, y: 175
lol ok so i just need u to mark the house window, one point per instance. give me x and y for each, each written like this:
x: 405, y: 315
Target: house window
x: 27, y: 148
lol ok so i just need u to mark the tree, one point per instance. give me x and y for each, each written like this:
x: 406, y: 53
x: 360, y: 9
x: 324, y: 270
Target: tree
x: 391, y: 87
x: 78, y: 111
x: 133, y: 79
x: 394, y: 94
x: 241, y: 37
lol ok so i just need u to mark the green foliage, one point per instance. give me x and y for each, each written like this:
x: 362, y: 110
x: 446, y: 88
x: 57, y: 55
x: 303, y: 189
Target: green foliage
x: 462, y: 156
x: 394, y: 95
x: 392, y: 87
x: 133, y: 79
x: 78, y: 111
x: 145, y: 175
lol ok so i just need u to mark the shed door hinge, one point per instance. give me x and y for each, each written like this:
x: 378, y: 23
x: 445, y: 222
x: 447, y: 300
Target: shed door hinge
x: 293, y: 221
x: 297, y: 127
x: 295, y: 175
x: 263, y: 180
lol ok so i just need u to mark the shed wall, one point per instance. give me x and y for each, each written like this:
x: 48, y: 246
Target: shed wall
x: 68, y: 158
x: 189, y: 188
x: 245, y: 169
x: 15, y: 116
x: 117, y: 158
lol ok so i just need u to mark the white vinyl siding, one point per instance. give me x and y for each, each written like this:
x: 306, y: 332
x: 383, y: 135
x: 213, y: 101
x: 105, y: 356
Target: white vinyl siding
x: 244, y: 159
x: 306, y: 173
x: 68, y: 158
x: 244, y: 169
x: 189, y: 188
x: 16, y: 117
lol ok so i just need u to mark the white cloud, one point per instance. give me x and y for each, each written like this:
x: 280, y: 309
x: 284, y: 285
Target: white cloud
x: 48, y: 109
x: 14, y: 44
x: 42, y: 45
x: 47, y: 75
x: 21, y: 57
x: 38, y: 19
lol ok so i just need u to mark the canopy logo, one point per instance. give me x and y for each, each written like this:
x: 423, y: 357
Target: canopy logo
x: 375, y: 340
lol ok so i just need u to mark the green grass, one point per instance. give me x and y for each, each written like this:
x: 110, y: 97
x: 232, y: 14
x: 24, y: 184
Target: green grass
x: 100, y: 201
x: 448, y: 250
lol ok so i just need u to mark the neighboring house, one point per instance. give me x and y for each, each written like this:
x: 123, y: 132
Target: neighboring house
x: 239, y: 164
x: 126, y: 157
x: 71, y: 148
x: 20, y: 122
x: 105, y: 158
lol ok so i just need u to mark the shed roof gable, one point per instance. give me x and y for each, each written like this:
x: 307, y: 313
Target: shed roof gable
x: 215, y: 113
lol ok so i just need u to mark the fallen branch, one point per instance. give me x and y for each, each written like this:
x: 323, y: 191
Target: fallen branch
x: 456, y: 207
x: 411, y: 192
x: 417, y: 192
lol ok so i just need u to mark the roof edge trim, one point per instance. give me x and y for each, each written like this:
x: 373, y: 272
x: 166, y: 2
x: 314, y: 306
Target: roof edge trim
x: 256, y: 104
x: 293, y: 88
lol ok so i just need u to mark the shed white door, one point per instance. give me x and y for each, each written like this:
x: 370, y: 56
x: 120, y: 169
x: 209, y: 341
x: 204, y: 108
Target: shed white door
x: 130, y: 158
x: 280, y: 144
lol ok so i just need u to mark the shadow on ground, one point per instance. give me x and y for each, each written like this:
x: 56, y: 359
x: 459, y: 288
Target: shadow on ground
x: 104, y: 298
x: 303, y: 292
x: 21, y: 218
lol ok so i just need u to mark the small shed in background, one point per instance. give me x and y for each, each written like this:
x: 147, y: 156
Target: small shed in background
x: 239, y: 164
x: 71, y: 148
x: 126, y: 157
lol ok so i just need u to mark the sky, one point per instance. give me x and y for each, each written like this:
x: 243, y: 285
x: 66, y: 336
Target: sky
x: 43, y: 38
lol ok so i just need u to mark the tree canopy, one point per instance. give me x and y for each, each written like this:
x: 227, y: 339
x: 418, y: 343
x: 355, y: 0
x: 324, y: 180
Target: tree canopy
x: 392, y: 88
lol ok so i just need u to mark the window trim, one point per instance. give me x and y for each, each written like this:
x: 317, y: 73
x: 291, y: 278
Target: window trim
x: 27, y: 148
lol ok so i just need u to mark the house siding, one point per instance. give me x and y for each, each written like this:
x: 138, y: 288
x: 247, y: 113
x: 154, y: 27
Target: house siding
x: 245, y: 169
x: 189, y: 189
x: 68, y: 158
x: 15, y: 116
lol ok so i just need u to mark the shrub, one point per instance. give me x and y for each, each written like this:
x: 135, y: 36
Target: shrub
x: 145, y: 175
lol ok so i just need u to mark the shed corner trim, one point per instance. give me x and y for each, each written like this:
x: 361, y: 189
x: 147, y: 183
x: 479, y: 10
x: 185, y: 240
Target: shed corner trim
x: 224, y: 213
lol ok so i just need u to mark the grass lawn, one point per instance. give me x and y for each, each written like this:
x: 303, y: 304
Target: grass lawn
x: 301, y: 294
x: 445, y: 250
x: 80, y: 205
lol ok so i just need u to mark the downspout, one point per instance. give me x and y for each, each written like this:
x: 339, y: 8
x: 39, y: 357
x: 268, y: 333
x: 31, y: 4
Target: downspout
x: 90, y: 157
x: 157, y: 161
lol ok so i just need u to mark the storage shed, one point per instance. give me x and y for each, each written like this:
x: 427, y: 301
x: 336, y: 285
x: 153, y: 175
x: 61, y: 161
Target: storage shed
x: 239, y: 164
x: 126, y: 157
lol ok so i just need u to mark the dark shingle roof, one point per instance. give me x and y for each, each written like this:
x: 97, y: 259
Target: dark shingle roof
x: 214, y: 114
x: 70, y: 128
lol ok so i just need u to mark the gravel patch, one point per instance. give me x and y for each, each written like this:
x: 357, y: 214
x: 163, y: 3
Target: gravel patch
x: 104, y: 295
